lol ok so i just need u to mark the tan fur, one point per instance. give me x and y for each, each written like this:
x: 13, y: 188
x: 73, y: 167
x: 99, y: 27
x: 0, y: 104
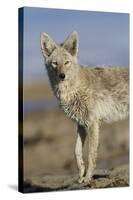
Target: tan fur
x: 89, y: 96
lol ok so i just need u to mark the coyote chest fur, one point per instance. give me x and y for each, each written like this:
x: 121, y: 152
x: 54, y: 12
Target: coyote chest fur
x: 88, y: 96
x: 103, y: 97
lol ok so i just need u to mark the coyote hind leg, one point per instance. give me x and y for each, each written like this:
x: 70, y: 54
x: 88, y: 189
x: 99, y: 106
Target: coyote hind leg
x: 79, y: 151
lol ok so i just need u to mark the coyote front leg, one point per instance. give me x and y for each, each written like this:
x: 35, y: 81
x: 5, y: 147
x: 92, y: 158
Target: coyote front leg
x: 79, y: 151
x: 93, y: 134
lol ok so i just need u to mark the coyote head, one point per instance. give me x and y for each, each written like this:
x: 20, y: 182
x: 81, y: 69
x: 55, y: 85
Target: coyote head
x: 60, y: 59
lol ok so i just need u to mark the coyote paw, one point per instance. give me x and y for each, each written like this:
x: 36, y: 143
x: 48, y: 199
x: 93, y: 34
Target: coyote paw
x: 85, y: 179
x: 81, y: 180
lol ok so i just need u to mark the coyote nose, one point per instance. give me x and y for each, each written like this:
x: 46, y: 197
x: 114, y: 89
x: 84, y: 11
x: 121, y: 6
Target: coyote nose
x: 62, y: 76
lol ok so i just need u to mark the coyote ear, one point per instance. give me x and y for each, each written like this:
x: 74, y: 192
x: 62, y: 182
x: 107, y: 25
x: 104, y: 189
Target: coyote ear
x: 47, y: 45
x: 71, y: 44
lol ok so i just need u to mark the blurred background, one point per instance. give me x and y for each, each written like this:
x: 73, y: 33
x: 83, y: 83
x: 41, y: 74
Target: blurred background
x: 49, y: 136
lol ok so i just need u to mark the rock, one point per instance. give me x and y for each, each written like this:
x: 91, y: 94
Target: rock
x: 117, y: 177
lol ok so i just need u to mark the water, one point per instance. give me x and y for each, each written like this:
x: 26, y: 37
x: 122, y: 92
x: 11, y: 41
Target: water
x: 39, y: 105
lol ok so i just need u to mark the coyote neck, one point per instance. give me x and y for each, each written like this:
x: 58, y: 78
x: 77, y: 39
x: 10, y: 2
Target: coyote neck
x: 66, y: 89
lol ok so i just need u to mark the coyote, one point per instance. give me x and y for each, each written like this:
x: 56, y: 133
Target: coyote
x: 89, y: 96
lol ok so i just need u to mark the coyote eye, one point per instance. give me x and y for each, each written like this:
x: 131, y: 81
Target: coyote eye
x: 54, y: 64
x: 67, y: 62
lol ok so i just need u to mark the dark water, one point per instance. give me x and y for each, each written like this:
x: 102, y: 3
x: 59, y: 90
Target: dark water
x: 39, y: 105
